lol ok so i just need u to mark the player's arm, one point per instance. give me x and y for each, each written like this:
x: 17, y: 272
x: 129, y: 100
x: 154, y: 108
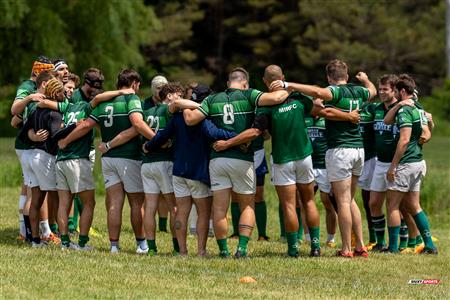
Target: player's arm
x: 181, y: 104
x: 334, y: 114
x: 16, y: 120
x: 45, y: 103
x: 106, y: 96
x: 260, y: 124
x: 215, y: 133
x: 425, y: 137
x: 272, y: 98
x: 429, y: 117
x: 120, y: 139
x: 19, y: 105
x: 389, y: 119
x: 364, y: 79
x: 39, y: 136
x: 137, y: 120
x: 161, y: 137
x: 193, y: 116
x: 310, y: 90
x: 83, y: 127
x: 405, y: 135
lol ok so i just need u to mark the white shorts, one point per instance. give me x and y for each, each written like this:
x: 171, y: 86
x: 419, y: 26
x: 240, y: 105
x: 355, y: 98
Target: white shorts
x: 342, y: 163
x: 75, y: 175
x: 258, y: 157
x: 321, y: 178
x: 24, y: 159
x: 379, y: 181
x: 408, y: 177
x: 43, y: 172
x: 157, y: 177
x: 92, y: 156
x: 184, y: 187
x: 232, y: 173
x: 298, y: 171
x: 127, y: 171
x: 367, y: 174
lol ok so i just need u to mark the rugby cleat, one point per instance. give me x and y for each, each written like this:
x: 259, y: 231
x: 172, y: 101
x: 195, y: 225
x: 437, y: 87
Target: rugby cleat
x: 361, y: 252
x: 52, y: 238
x: 341, y: 253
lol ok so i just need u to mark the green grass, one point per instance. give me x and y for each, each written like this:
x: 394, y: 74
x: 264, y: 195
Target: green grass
x: 30, y: 273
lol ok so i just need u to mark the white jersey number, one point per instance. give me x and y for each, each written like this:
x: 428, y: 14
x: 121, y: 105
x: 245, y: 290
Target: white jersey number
x: 228, y: 114
x: 354, y: 102
x: 152, y: 120
x: 72, y: 117
x: 110, y: 111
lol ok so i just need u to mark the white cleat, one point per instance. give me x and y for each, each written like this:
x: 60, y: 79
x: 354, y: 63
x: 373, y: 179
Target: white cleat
x: 72, y: 246
x: 139, y: 250
x: 114, y: 249
x: 85, y: 248
x: 38, y: 245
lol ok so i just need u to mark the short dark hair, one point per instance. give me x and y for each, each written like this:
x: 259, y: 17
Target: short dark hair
x: 390, y: 79
x: 170, y: 88
x: 337, y: 70
x: 45, y: 75
x: 407, y: 83
x: 238, y: 74
x: 127, y: 77
x: 74, y: 77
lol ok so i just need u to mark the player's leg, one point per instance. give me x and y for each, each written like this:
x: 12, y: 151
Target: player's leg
x: 183, y: 205
x: 287, y: 197
x: 235, y: 215
x: 163, y: 215
x: 394, y: 198
x: 330, y: 219
x: 115, y: 197
x: 150, y: 209
x: 203, y: 206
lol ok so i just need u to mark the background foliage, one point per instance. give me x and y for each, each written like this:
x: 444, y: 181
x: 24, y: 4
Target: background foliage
x: 200, y: 40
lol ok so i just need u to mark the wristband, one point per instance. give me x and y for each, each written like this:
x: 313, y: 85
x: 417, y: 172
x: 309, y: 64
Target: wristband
x: 285, y: 85
x: 107, y: 146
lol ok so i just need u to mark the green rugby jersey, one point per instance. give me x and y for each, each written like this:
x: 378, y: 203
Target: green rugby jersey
x: 113, y: 118
x: 345, y: 134
x: 386, y: 136
x: 27, y: 87
x: 366, y: 129
x: 421, y: 109
x: 73, y: 113
x: 78, y: 96
x: 233, y: 110
x: 317, y: 135
x: 410, y: 117
x: 157, y: 117
x: 290, y: 141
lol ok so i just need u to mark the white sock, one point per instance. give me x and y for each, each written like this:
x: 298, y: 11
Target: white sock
x: 330, y: 238
x: 22, y: 229
x: 45, y: 228
x: 142, y: 244
x: 307, y: 237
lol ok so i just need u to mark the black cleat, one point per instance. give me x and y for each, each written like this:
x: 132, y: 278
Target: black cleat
x: 240, y: 255
x: 429, y: 251
x: 263, y: 238
x: 315, y: 253
x: 379, y: 248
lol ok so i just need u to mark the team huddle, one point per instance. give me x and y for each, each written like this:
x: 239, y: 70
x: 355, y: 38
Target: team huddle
x: 192, y: 148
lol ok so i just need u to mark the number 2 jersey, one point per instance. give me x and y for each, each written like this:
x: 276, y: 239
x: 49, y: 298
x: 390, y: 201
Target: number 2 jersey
x: 113, y: 118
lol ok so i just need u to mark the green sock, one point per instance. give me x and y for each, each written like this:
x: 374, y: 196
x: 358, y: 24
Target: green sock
x: 281, y: 216
x: 292, y: 241
x: 152, y: 245
x: 176, y: 247
x: 65, y: 240
x: 300, y: 224
x: 223, y: 247
x: 314, y: 232
x: 82, y: 240
x: 403, y: 235
x: 162, y: 224
x: 235, y: 216
x: 411, y: 242
x: 379, y: 224
x: 70, y: 224
x: 54, y: 228
x: 393, y: 238
x: 77, y: 208
x: 372, y: 235
x: 419, y: 240
x: 424, y: 228
x: 261, y: 217
x: 243, y: 241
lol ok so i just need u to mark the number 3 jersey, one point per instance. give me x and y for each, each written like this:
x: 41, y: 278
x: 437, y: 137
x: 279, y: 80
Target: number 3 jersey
x: 344, y: 134
x: 233, y: 110
x: 113, y: 118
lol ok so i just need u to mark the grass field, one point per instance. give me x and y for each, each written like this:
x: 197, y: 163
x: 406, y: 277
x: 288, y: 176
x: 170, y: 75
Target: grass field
x: 31, y: 273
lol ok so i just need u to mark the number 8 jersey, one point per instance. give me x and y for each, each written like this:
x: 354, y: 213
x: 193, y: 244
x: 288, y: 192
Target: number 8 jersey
x: 113, y: 118
x: 233, y: 110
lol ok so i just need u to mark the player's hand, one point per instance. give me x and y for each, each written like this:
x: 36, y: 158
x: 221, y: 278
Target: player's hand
x: 276, y: 85
x: 167, y: 144
x: 62, y: 144
x: 37, y: 97
x: 407, y: 102
x: 220, y: 146
x: 41, y: 135
x: 423, y: 140
x: 354, y: 116
x: 362, y: 77
x: 127, y: 91
x: 102, y: 148
x: 429, y: 117
x: 390, y: 175
x: 318, y: 102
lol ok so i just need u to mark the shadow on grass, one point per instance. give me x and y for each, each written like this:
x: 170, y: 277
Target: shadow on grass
x: 8, y: 236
